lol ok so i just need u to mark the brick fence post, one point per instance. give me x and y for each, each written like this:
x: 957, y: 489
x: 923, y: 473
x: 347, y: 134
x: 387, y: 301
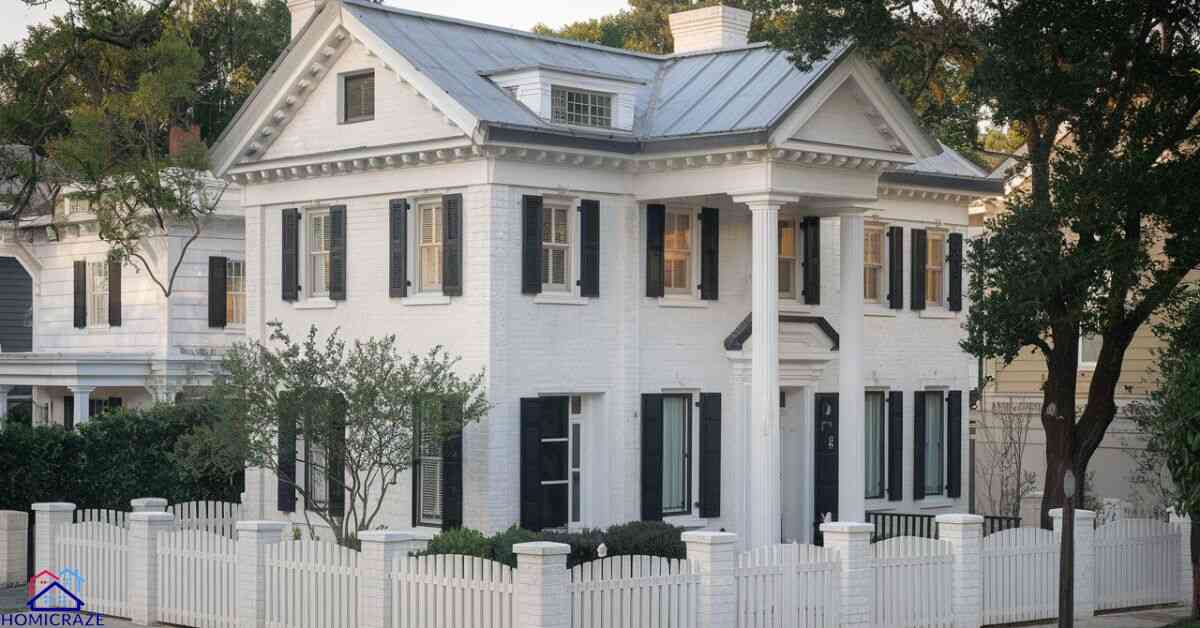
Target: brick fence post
x: 380, y: 548
x: 1085, y: 558
x: 14, y: 541
x: 542, y: 599
x: 716, y: 556
x: 148, y: 504
x: 47, y: 519
x: 965, y: 535
x: 144, y: 528
x: 852, y: 541
x: 1183, y: 524
x: 253, y: 537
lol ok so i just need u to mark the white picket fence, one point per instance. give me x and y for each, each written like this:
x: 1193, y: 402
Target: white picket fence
x: 197, y: 579
x: 1020, y: 575
x: 99, y: 552
x: 311, y: 584
x: 634, y: 592
x: 451, y: 591
x: 913, y: 583
x: 781, y: 586
x: 1137, y: 563
x: 117, y: 518
x: 212, y: 516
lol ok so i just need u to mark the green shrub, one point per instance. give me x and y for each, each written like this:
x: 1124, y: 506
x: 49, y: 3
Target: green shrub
x: 463, y: 541
x: 651, y: 538
x: 585, y: 544
x: 503, y: 541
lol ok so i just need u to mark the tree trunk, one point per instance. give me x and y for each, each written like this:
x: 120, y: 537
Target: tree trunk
x: 1058, y: 418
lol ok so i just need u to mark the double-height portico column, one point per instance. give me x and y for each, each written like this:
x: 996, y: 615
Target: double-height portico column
x: 4, y: 390
x: 82, y: 395
x: 852, y: 436
x: 763, y: 464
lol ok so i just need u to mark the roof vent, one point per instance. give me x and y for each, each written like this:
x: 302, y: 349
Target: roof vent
x: 710, y: 28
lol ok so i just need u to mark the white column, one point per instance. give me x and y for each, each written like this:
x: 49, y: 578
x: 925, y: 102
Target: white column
x: 541, y: 597
x: 852, y: 485
x: 1085, y: 559
x: 852, y: 541
x: 144, y: 529
x: 379, y: 549
x: 716, y: 555
x: 14, y: 541
x: 965, y: 535
x: 4, y: 390
x: 82, y: 395
x: 253, y: 537
x: 47, y: 519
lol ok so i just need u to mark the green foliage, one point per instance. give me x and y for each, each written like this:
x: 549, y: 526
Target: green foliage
x: 653, y: 538
x: 585, y: 544
x: 463, y: 541
x: 646, y: 538
x: 503, y: 542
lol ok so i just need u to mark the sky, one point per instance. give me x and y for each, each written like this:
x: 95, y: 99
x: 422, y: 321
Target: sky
x: 16, y: 16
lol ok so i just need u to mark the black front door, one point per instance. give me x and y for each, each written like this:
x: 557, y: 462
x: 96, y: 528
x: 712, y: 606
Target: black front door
x: 825, y: 462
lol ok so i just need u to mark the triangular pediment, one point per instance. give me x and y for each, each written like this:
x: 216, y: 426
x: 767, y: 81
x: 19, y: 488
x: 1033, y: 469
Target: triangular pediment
x: 849, y: 118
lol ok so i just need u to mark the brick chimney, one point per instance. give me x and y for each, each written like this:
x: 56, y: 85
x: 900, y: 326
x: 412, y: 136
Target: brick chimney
x: 178, y: 138
x: 710, y: 28
x: 301, y: 11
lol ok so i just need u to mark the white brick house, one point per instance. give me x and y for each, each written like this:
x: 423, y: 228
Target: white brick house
x: 603, y: 230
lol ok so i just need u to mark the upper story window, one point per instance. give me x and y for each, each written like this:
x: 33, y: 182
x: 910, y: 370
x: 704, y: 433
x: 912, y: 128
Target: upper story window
x: 358, y: 97
x: 429, y: 246
x: 935, y: 268
x: 873, y: 263
x: 787, y: 258
x: 318, y: 253
x: 556, y: 249
x: 580, y: 107
x: 235, y: 292
x: 677, y: 252
x: 97, y: 273
x: 1089, y: 350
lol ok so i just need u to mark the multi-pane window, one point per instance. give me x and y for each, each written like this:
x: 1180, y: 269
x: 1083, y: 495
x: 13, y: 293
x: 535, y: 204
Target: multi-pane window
x: 873, y: 264
x: 429, y: 246
x: 677, y: 252
x: 235, y: 292
x: 576, y: 463
x: 935, y: 437
x: 555, y: 249
x: 935, y: 268
x: 359, y: 97
x: 1089, y: 349
x: 316, y: 482
x: 677, y: 454
x: 318, y: 253
x: 97, y: 293
x: 428, y: 472
x: 580, y: 107
x: 787, y: 258
x: 875, y: 444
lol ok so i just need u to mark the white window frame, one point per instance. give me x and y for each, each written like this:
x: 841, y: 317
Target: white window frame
x: 793, y: 257
x: 343, y: 118
x: 883, y: 453
x: 558, y: 116
x: 416, y: 246
x: 942, y: 462
x: 569, y: 248
x: 943, y: 237
x: 873, y: 228
x: 691, y: 465
x: 310, y: 254
x: 1089, y: 365
x: 576, y: 453
x: 436, y: 460
x: 98, y: 318
x: 235, y: 300
x: 693, y: 264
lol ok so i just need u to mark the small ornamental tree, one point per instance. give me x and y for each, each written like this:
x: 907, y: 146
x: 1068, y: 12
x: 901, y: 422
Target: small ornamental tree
x: 345, y: 416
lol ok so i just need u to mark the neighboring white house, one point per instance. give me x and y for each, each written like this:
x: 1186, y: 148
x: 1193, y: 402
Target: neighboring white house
x: 707, y: 287
x: 90, y: 334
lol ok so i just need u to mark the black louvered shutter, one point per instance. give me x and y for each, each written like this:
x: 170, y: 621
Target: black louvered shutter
x: 398, y: 248
x: 918, y: 445
x: 895, y: 435
x: 69, y: 413
x: 289, y: 275
x: 531, y: 244
x: 954, y: 443
x: 710, y: 253
x: 652, y: 457
x: 114, y: 293
x: 216, y: 291
x: 656, y: 225
x: 812, y: 260
x: 80, y: 294
x: 589, y: 252
x: 452, y: 471
x: 452, y: 245
x: 710, y: 454
x: 919, y: 253
x: 531, y: 461
x: 954, y: 298
x: 286, y: 493
x: 896, y: 268
x: 337, y: 253
x: 554, y: 467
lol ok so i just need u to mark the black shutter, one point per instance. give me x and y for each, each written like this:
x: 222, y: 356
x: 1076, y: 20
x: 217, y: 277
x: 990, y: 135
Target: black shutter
x: 652, y: 457
x: 115, y: 402
x: 954, y: 298
x: 710, y: 454
x: 589, y: 250
x: 954, y: 443
x: 216, y: 292
x: 69, y: 413
x: 919, y: 253
x: 289, y: 276
x: 452, y: 461
x: 656, y: 225
x: 896, y: 268
x: 335, y: 466
x: 895, y: 435
x: 398, y: 248
x: 452, y: 245
x: 531, y: 470
x: 918, y: 445
x: 710, y: 253
x: 554, y: 460
x: 114, y: 293
x: 531, y: 244
x: 286, y: 494
x: 81, y: 294
x: 812, y: 260
x: 337, y: 253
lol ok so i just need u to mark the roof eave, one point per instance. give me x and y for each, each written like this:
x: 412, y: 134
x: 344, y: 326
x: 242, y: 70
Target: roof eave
x: 945, y: 181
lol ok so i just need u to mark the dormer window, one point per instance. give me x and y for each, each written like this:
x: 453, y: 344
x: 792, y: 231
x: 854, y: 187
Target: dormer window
x: 581, y: 107
x: 358, y: 96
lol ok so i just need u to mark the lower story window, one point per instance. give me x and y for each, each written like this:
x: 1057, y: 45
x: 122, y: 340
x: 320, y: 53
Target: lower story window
x: 935, y: 462
x: 677, y: 450
x: 427, y: 474
x: 875, y: 444
x: 235, y: 292
x: 576, y: 470
x: 316, y: 485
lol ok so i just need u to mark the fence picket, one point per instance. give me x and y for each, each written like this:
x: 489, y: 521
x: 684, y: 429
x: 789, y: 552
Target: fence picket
x: 1136, y: 563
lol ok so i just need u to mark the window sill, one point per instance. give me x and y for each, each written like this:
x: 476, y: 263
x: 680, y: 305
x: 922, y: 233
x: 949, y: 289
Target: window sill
x: 791, y: 306
x: 685, y: 521
x: 938, y: 313
x: 681, y: 301
x: 878, y: 312
x: 426, y: 299
x: 935, y: 503
x: 560, y: 298
x: 320, y: 303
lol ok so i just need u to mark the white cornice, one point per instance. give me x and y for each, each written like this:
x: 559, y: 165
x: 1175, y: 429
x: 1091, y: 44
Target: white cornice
x: 902, y: 192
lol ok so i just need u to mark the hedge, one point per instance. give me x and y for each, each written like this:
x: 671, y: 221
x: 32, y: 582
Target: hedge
x: 650, y: 538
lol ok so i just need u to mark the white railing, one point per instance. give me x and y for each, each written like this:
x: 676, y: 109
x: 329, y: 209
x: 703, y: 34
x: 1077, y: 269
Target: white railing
x: 628, y: 591
x: 914, y: 582
x: 451, y: 590
x: 781, y: 586
x: 1020, y: 575
x: 197, y: 579
x: 1137, y: 563
x: 117, y: 518
x: 216, y: 517
x: 311, y: 583
x: 98, y: 553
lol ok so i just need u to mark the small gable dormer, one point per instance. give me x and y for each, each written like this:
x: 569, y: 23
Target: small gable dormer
x: 571, y: 98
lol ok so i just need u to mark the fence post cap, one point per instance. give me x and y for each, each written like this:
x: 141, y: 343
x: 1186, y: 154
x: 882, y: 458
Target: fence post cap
x: 384, y: 536
x: 960, y: 519
x: 262, y: 526
x: 419, y: 534
x: 1086, y: 515
x: 542, y: 548
x: 142, y: 503
x: 151, y: 517
x: 705, y: 537
x: 848, y: 527
x: 53, y: 507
